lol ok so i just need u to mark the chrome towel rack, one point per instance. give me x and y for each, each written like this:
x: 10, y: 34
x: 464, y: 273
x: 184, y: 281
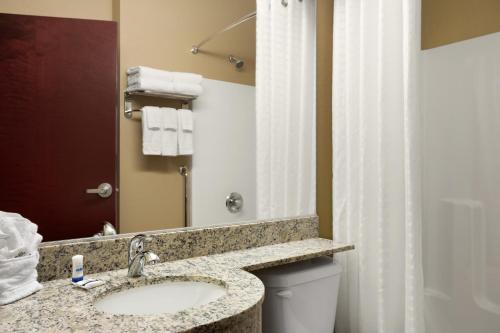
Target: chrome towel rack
x: 129, y: 110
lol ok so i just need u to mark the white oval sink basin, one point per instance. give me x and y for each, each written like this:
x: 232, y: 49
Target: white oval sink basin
x: 167, y: 297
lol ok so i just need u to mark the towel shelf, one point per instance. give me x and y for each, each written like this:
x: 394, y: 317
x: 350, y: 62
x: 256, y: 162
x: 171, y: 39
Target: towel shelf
x: 178, y: 97
x: 185, y: 99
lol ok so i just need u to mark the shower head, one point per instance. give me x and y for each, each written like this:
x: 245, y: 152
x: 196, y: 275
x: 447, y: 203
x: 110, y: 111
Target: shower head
x: 237, y: 62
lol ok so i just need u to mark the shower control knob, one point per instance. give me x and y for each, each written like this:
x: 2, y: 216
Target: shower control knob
x: 234, y: 202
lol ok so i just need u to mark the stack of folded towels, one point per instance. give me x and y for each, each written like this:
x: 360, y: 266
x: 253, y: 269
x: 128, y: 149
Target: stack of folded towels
x: 145, y: 78
x: 19, y: 256
x: 167, y: 131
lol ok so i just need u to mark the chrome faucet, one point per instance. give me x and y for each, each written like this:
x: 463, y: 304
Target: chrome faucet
x: 138, y: 257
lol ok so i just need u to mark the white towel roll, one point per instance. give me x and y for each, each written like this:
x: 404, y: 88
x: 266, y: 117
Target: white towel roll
x: 19, y: 278
x: 22, y: 236
x: 18, y: 257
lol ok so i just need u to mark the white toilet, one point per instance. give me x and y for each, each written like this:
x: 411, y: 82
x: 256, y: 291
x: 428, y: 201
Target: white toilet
x: 301, y: 297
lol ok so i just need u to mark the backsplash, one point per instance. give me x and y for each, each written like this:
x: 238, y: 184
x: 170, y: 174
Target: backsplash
x: 111, y: 253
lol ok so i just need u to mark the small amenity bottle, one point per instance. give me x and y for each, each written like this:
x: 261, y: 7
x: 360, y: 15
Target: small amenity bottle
x: 77, y: 268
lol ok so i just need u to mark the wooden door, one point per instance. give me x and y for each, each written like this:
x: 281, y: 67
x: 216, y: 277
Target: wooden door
x: 58, y: 122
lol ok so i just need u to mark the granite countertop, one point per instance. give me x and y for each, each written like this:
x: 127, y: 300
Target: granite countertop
x: 60, y: 307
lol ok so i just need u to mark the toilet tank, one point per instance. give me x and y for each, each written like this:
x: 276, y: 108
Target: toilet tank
x: 301, y: 297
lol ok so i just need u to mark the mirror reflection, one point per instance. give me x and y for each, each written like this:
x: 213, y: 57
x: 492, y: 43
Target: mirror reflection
x: 79, y: 165
x: 143, y: 118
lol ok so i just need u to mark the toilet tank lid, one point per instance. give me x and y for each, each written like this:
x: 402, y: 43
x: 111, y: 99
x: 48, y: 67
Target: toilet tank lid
x: 300, y: 272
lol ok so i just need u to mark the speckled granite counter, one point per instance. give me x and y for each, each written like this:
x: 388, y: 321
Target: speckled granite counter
x: 110, y: 253
x: 59, y: 307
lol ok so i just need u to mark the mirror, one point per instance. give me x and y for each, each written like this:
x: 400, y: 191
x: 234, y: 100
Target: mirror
x: 80, y: 153
x: 75, y: 162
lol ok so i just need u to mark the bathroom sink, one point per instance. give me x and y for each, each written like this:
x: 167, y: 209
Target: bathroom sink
x: 168, y: 297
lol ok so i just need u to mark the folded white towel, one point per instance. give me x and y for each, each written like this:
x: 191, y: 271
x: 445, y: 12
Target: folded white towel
x: 186, y: 120
x: 169, y: 135
x: 153, y: 84
x: 18, y: 278
x: 158, y: 85
x: 185, y: 131
x: 187, y: 88
x: 151, y: 130
x: 154, y: 117
x: 22, y: 235
x: 148, y: 72
x: 169, y: 118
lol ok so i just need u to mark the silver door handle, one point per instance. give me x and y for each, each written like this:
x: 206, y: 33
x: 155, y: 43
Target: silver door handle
x: 104, y: 190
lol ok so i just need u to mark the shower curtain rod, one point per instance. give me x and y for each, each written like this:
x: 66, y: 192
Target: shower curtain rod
x: 196, y: 48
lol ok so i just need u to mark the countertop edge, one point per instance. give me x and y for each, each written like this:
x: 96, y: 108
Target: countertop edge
x: 292, y: 259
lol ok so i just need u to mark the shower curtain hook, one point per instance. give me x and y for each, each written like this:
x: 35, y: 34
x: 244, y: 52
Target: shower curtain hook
x: 284, y: 3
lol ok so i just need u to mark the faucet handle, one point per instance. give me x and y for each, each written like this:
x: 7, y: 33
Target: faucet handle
x: 137, y: 245
x: 151, y: 258
x: 140, y: 238
x: 137, y: 239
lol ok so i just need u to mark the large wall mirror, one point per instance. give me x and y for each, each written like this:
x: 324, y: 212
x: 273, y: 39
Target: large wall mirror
x: 72, y: 130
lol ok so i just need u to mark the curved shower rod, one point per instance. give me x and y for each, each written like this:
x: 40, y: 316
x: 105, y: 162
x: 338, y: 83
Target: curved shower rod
x: 196, y: 48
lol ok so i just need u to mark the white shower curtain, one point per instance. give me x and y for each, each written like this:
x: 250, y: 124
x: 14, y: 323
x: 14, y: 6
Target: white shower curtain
x: 376, y: 170
x: 285, y: 108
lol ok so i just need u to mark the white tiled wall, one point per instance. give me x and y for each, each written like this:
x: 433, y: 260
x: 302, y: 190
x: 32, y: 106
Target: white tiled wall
x: 224, y: 158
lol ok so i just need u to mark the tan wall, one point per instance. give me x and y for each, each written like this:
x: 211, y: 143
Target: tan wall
x: 83, y: 9
x: 448, y: 21
x: 324, y: 116
x: 159, y: 33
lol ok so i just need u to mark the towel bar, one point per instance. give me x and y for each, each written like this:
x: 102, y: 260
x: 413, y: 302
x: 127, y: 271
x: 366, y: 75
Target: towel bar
x: 129, y: 111
x: 185, y: 99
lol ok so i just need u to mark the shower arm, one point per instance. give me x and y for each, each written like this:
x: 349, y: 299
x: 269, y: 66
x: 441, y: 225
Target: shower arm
x: 196, y: 48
